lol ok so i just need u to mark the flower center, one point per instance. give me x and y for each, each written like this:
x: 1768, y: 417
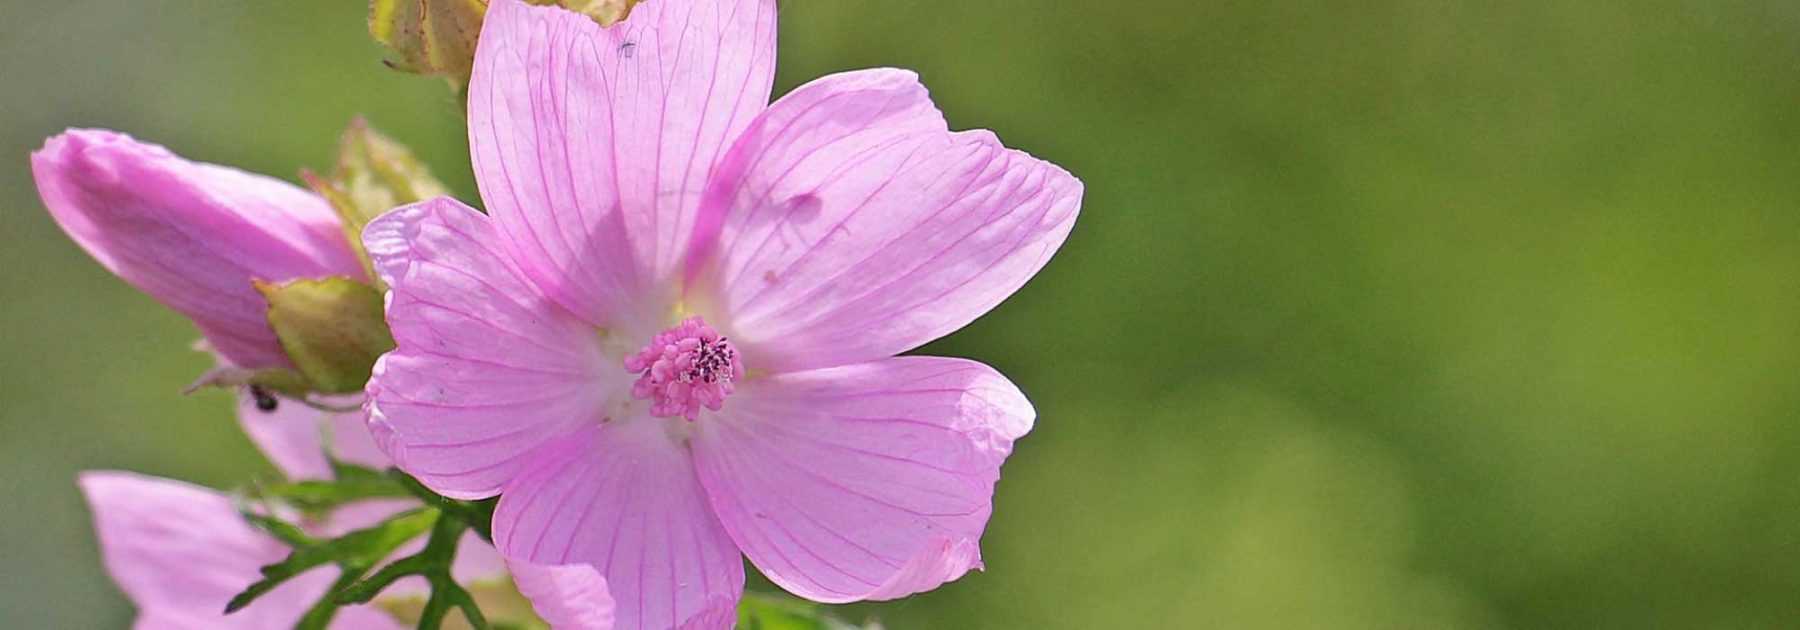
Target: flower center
x: 683, y: 368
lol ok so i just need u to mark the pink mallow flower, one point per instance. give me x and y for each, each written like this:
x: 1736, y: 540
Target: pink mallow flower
x: 181, y: 551
x: 192, y: 235
x: 672, y: 338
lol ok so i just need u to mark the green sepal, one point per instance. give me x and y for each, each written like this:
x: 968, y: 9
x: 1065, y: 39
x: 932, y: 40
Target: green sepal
x: 278, y: 380
x: 606, y: 12
x: 430, y: 37
x: 331, y: 328
x: 373, y: 174
x: 437, y: 37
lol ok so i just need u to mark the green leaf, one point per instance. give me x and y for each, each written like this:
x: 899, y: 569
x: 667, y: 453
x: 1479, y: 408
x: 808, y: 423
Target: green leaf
x: 355, y: 552
x: 479, y: 515
x: 331, y: 328
x: 432, y: 563
x: 314, y: 495
x: 373, y: 174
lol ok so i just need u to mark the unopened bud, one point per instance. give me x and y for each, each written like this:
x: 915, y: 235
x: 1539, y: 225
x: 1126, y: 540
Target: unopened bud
x: 437, y: 37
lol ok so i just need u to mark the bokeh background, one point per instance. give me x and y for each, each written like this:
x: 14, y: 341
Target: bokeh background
x: 1379, y: 314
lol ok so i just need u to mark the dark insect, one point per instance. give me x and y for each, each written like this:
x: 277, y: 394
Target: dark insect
x: 626, y: 49
x: 264, y: 400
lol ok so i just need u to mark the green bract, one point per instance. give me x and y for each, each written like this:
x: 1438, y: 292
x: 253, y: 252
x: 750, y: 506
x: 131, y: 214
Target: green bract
x: 437, y: 37
x: 373, y: 175
x: 331, y: 328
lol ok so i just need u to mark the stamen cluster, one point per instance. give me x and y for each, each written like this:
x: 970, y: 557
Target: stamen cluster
x: 684, y: 368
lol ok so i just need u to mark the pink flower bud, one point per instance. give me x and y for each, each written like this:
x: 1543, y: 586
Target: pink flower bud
x: 191, y: 235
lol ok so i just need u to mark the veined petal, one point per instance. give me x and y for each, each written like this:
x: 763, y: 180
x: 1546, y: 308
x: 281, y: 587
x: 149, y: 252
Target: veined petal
x: 180, y: 552
x: 570, y: 597
x: 848, y: 224
x: 869, y: 481
x: 486, y: 369
x: 592, y: 145
x: 623, y: 498
x: 191, y: 235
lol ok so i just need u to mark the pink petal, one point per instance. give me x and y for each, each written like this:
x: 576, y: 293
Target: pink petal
x: 592, y: 145
x: 868, y: 481
x: 291, y: 437
x: 850, y: 225
x: 623, y: 498
x: 570, y: 597
x: 180, y: 552
x: 486, y: 370
x: 191, y: 235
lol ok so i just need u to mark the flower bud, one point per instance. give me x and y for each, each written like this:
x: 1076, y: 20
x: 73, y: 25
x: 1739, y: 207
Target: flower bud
x: 193, y: 236
x: 434, y: 37
x: 437, y: 37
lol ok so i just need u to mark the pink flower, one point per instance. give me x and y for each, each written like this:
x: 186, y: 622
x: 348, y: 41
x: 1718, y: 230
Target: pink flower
x: 672, y: 340
x: 191, y: 235
x: 181, y: 551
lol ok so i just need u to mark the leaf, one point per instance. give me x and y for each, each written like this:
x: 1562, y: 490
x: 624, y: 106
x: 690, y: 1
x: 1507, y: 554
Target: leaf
x: 315, y: 495
x: 355, y: 552
x: 479, y: 515
x: 373, y: 174
x: 432, y: 563
x: 331, y: 328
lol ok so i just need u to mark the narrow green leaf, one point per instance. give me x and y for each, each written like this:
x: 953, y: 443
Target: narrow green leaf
x: 283, y: 531
x: 314, y: 495
x: 319, y: 616
x: 478, y: 515
x: 363, y: 547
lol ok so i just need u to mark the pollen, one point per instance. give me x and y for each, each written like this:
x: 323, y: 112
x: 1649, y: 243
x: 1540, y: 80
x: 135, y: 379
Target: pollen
x: 685, y: 368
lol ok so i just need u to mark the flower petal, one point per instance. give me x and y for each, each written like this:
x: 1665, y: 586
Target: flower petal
x: 592, y: 145
x: 622, y: 497
x: 869, y: 481
x: 570, y: 597
x: 191, y: 235
x: 180, y: 552
x: 485, y: 370
x: 292, y: 436
x: 851, y: 225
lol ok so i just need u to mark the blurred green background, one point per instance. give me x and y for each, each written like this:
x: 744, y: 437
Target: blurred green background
x: 1382, y: 314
